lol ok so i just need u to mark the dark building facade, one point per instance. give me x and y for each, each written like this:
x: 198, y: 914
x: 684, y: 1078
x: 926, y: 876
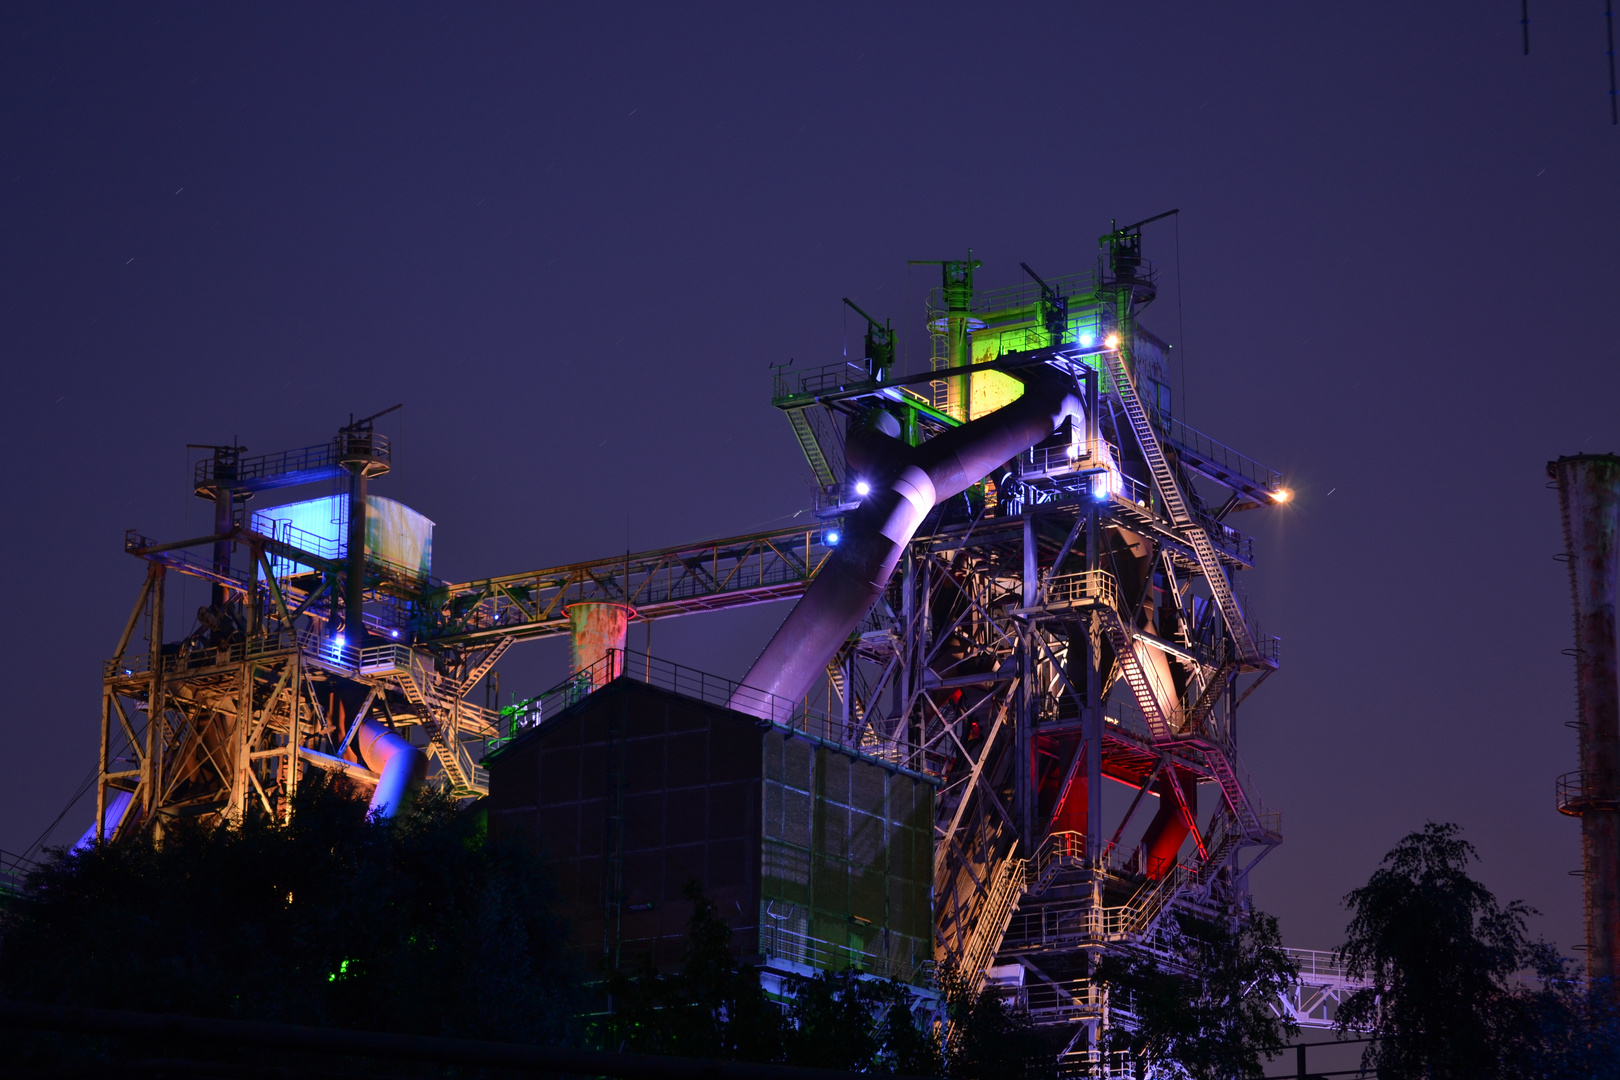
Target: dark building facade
x: 817, y: 856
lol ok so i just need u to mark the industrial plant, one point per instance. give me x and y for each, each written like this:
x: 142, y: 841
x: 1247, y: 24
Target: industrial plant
x: 998, y: 729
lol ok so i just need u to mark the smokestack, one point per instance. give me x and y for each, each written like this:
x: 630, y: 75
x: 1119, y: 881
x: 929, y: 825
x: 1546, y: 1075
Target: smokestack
x: 598, y: 628
x: 1589, y: 496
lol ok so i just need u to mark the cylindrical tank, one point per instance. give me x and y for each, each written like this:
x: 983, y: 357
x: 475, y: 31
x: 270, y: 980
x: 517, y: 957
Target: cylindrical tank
x: 1589, y: 496
x: 595, y: 628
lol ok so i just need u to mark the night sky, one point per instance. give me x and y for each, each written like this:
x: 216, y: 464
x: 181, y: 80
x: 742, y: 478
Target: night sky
x: 571, y: 239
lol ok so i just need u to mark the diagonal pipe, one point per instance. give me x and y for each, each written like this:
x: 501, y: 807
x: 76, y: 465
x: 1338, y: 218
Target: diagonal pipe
x: 906, y: 482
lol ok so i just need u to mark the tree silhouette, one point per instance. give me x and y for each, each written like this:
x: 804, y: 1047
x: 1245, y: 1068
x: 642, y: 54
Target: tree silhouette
x: 1208, y: 1015
x: 1459, y: 990
x: 714, y: 1007
x: 991, y: 1038
x: 419, y: 924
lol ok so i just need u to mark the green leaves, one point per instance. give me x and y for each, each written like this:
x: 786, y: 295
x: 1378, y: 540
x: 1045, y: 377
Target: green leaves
x: 1210, y: 1016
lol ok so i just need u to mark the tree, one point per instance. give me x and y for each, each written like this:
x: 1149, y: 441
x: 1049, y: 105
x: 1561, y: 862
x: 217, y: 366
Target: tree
x: 1208, y: 1016
x: 840, y: 1020
x: 990, y: 1038
x: 714, y: 1007
x: 1441, y: 955
x: 419, y: 924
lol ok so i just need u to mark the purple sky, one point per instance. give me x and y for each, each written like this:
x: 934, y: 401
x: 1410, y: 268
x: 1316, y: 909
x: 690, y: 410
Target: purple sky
x: 571, y: 240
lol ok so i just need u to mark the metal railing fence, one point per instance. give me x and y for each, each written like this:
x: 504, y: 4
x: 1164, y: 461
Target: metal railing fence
x: 779, y: 712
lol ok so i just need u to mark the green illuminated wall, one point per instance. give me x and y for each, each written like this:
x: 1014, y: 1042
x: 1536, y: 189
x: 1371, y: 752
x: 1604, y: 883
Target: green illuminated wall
x: 847, y: 861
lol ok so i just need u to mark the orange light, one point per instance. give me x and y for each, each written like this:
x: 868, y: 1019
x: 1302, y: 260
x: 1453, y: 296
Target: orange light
x: 1112, y: 341
x: 1282, y: 495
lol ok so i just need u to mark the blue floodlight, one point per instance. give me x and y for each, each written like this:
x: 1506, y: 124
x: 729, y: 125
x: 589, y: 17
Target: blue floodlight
x: 1087, y: 339
x: 832, y: 537
x: 337, y: 641
x: 393, y: 633
x: 862, y: 488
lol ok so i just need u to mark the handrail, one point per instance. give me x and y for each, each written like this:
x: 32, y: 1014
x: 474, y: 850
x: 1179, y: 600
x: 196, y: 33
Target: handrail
x: 1196, y: 444
x: 288, y: 467
x: 1084, y: 588
x: 994, y: 915
x: 779, y: 942
x: 779, y: 712
x: 1572, y: 796
x: 829, y: 378
x: 1319, y: 967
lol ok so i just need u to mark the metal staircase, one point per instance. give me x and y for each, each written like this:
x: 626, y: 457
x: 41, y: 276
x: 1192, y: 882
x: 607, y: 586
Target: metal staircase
x: 811, y: 448
x: 1209, y: 559
x: 425, y: 688
x: 482, y: 667
x: 1006, y: 887
x: 1236, y: 797
x: 1160, y: 725
x: 1213, y: 689
x: 835, y: 676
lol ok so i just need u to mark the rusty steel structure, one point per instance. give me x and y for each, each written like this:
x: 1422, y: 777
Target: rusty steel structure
x: 1070, y: 625
x: 267, y: 683
x: 1023, y: 583
x: 1589, y: 498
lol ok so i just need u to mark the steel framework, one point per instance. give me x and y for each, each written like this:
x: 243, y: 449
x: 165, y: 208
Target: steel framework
x: 1076, y: 618
x: 267, y: 679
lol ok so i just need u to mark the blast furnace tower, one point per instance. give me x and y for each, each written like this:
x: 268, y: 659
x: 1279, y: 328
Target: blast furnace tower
x: 1064, y: 621
x: 998, y: 730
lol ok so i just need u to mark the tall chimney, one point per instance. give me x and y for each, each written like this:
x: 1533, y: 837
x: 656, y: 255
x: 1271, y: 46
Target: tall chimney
x: 1589, y: 496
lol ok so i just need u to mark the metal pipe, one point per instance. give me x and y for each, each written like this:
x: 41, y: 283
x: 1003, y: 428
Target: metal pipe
x: 354, y: 581
x: 400, y: 767
x: 113, y: 816
x: 1589, y: 498
x: 598, y: 628
x: 1161, y: 842
x: 906, y: 483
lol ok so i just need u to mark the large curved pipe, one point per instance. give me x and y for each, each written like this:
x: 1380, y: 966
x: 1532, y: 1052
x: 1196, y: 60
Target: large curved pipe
x: 906, y: 483
x: 399, y: 766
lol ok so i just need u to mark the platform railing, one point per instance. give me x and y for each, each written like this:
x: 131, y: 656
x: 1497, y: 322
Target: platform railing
x: 780, y: 712
x: 1201, y: 446
x: 827, y: 379
x: 284, y: 530
x: 324, y: 648
x: 306, y: 462
x: 1041, y: 461
x: 1574, y: 796
x: 781, y: 943
x: 1318, y: 967
x: 1084, y: 588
